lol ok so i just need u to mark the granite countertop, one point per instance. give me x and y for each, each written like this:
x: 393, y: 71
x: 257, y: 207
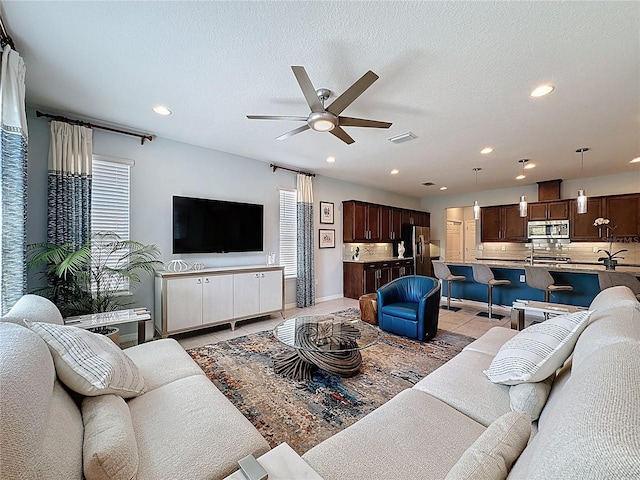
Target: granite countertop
x: 375, y: 259
x: 560, y: 267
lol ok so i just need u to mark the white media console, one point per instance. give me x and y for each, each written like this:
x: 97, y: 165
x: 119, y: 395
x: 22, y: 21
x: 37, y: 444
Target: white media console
x: 195, y: 299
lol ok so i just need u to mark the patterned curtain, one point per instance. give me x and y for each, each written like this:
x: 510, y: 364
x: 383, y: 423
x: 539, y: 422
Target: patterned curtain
x: 69, y: 184
x: 305, y: 281
x: 13, y: 167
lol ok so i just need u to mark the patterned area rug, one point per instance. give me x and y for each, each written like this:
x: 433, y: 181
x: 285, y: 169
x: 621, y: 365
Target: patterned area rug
x: 303, y: 413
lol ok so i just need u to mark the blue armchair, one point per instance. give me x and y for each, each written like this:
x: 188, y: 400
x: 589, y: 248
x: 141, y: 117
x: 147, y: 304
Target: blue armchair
x: 410, y: 306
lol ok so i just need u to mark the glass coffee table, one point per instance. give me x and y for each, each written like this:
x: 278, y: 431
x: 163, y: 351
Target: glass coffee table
x: 329, y: 342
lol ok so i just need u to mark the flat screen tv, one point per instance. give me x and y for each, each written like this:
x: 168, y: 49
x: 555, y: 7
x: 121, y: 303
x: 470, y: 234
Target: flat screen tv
x: 214, y: 226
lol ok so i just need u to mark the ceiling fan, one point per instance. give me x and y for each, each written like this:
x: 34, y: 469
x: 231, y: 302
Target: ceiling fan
x: 328, y: 119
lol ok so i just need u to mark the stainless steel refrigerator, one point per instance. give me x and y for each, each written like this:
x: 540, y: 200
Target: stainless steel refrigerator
x: 416, y: 243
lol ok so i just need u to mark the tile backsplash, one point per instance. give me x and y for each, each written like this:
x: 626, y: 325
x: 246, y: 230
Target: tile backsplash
x: 368, y: 251
x: 583, y: 252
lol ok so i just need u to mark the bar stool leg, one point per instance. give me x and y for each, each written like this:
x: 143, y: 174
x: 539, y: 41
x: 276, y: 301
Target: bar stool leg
x: 490, y: 299
x: 448, y: 294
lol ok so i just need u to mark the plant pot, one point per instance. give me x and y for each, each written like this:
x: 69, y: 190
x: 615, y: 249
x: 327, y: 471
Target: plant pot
x: 112, y: 333
x: 610, y: 264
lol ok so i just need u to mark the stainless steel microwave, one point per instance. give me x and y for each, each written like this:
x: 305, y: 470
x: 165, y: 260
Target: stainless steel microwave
x: 548, y: 229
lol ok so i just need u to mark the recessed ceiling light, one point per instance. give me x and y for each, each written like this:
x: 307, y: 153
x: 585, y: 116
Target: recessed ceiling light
x: 331, y: 159
x: 542, y: 90
x: 529, y: 166
x: 635, y: 160
x: 395, y: 171
x: 443, y: 188
x: 161, y: 110
x: 486, y: 150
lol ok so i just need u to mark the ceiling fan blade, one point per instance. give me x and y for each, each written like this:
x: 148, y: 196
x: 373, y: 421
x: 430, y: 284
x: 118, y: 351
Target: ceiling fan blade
x: 361, y: 122
x: 277, y: 117
x: 307, y: 89
x: 353, y: 92
x: 342, y: 135
x: 293, y: 132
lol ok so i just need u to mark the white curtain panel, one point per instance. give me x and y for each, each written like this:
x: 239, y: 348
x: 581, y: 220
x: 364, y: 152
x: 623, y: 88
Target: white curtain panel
x: 13, y: 167
x: 305, y: 280
x: 69, y: 184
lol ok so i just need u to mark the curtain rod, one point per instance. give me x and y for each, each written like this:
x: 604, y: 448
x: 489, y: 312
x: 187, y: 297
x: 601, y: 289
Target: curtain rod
x: 6, y: 38
x: 275, y: 167
x: 71, y: 121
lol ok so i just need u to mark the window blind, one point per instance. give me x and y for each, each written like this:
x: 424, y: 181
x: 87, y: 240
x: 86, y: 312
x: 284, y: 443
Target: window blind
x: 288, y: 232
x: 110, y: 201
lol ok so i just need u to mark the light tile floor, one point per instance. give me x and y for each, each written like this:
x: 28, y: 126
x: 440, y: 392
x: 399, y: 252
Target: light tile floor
x: 463, y: 321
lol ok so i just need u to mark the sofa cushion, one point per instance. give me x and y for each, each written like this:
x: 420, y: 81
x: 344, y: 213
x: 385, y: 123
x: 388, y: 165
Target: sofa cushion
x: 613, y: 297
x: 461, y: 384
x: 188, y: 429
x: 89, y: 363
x: 492, y: 454
x: 161, y: 362
x: 491, y: 341
x: 413, y: 435
x: 537, y: 351
x: 34, y: 308
x: 591, y: 433
x: 109, y: 450
x: 615, y: 324
x: 530, y: 397
x: 40, y: 425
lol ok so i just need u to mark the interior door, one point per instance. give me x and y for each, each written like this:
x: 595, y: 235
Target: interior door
x: 469, y: 240
x: 453, y: 252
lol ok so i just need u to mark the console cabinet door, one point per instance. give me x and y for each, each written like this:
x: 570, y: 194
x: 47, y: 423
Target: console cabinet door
x: 184, y: 303
x: 246, y: 294
x: 217, y: 298
x: 271, y: 291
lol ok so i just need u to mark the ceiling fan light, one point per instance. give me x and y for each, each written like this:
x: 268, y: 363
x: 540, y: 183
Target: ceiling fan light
x: 322, y: 121
x: 581, y: 202
x: 322, y: 125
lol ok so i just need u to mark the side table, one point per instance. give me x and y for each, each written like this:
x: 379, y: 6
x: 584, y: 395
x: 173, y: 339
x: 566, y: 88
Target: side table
x: 520, y: 307
x: 282, y: 463
x: 95, y: 320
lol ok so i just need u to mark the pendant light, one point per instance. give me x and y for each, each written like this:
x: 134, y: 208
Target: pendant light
x: 523, y: 198
x: 581, y: 201
x: 476, y: 205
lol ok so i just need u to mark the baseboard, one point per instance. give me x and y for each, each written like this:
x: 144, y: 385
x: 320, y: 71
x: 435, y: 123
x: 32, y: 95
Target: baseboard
x: 318, y: 300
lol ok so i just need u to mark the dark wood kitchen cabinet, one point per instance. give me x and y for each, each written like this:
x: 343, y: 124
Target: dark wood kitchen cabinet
x: 502, y: 223
x: 556, y: 210
x: 581, y: 224
x: 624, y: 213
x: 390, y: 223
x: 361, y: 222
x: 366, y: 277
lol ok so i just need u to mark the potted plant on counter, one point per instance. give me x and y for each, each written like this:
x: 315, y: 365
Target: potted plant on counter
x: 611, y: 260
x: 96, y: 277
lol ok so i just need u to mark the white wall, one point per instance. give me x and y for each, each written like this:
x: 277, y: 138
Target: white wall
x: 597, y: 186
x: 164, y: 168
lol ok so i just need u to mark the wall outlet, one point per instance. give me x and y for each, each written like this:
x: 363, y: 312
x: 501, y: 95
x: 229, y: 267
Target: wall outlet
x: 504, y: 247
x: 386, y: 248
x: 595, y: 249
x: 522, y: 279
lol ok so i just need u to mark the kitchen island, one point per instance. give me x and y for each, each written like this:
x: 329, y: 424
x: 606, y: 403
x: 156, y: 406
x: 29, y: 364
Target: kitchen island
x: 582, y: 277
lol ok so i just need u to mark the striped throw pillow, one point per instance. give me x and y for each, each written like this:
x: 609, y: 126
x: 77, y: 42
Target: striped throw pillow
x: 538, y: 351
x: 89, y: 363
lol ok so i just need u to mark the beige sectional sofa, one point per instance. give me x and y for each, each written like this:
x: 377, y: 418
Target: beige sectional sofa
x: 589, y: 427
x: 183, y: 426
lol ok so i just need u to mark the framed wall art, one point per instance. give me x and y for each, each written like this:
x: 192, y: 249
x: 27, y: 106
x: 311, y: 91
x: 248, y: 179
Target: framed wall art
x: 327, y: 238
x: 326, y: 212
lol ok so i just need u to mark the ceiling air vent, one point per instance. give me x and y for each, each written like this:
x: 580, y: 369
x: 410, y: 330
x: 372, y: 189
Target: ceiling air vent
x: 403, y: 137
x: 428, y: 184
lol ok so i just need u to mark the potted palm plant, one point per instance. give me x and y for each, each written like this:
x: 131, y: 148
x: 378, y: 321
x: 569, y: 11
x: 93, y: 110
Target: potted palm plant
x: 95, y: 277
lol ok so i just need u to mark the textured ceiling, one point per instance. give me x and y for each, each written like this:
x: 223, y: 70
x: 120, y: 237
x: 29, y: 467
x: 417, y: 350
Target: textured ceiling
x: 456, y: 74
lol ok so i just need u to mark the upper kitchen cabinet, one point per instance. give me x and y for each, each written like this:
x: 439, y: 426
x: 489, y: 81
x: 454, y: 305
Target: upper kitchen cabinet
x: 416, y: 217
x: 502, y: 223
x: 581, y: 224
x: 361, y: 222
x: 390, y: 223
x: 623, y: 211
x: 556, y: 210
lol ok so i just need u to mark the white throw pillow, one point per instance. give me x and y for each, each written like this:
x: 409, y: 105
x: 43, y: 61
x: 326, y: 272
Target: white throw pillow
x: 89, y: 363
x: 538, y: 351
x: 530, y: 397
x: 109, y: 451
x: 490, y: 457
